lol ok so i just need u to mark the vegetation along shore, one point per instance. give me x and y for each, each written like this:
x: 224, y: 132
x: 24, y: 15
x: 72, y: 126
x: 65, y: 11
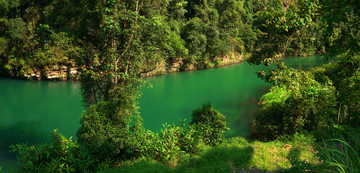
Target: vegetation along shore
x: 308, y: 121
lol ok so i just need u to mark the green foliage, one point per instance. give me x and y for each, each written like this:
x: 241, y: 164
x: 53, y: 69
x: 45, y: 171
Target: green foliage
x: 324, y: 96
x: 285, y: 30
x: 220, y: 159
x: 345, y: 74
x: 297, y: 102
x: 342, y: 27
x: 292, y: 153
x: 63, y: 155
x: 3, y: 44
x: 108, y: 135
x: 342, y: 38
x: 30, y: 44
x: 131, y: 37
x: 341, y: 152
x: 217, y: 28
x: 16, y: 28
x: 211, y: 123
x: 171, y: 144
x: 114, y: 42
x: 176, y: 141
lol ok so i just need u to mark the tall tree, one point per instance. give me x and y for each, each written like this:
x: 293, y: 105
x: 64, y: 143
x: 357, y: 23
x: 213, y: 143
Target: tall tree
x: 123, y: 42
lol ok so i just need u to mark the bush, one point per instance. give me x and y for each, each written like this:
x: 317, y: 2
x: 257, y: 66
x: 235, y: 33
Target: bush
x: 171, y: 144
x: 175, y: 141
x: 108, y: 135
x: 210, y: 124
x: 63, y: 155
x: 297, y: 102
x: 345, y: 75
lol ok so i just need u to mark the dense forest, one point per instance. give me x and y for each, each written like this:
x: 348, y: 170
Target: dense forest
x: 38, y: 37
x: 307, y: 122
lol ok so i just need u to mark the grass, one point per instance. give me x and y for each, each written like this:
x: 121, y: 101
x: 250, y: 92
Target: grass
x: 341, y: 154
x: 240, y: 155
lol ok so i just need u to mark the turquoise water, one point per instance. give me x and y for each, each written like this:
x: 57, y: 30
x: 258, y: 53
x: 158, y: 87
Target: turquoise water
x: 233, y: 90
x: 30, y: 110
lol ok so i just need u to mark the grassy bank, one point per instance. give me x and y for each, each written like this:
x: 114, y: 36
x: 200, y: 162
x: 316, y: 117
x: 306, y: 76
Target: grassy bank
x: 240, y: 155
x: 335, y: 151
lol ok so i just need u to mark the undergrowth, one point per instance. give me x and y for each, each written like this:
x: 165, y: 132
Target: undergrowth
x: 301, y: 152
x: 341, y: 152
x: 239, y: 154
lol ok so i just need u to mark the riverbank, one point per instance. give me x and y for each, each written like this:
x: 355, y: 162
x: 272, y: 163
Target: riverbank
x: 289, y: 154
x: 70, y: 72
x: 301, y: 152
x: 178, y: 65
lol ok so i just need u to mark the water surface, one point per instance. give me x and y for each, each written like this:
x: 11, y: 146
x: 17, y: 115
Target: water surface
x: 30, y: 110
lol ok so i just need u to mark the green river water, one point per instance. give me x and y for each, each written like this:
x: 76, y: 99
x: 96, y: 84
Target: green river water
x: 30, y: 110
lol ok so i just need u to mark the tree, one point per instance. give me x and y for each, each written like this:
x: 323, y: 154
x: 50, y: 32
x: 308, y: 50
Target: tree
x: 289, y: 105
x: 123, y: 43
x: 30, y: 43
x: 279, y: 26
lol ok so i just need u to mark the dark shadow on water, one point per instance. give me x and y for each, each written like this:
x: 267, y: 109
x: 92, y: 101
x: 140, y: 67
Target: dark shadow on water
x: 240, y: 123
x: 28, y: 132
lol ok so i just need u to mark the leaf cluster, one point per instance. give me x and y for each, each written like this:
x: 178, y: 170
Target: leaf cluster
x: 297, y: 102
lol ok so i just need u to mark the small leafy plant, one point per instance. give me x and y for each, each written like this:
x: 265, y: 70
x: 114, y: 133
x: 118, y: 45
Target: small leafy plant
x: 210, y: 123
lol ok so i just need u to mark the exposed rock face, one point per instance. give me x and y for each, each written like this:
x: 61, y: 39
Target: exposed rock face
x: 69, y: 72
x: 56, y: 73
x: 179, y: 65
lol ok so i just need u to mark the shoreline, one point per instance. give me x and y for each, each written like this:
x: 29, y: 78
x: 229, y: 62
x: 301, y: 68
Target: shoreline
x: 162, y: 69
x: 61, y: 73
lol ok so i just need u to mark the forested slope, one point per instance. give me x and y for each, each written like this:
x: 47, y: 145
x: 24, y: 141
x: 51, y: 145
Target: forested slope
x: 55, y: 38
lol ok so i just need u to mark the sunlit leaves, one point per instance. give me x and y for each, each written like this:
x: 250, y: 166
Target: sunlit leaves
x: 280, y: 27
x: 297, y: 102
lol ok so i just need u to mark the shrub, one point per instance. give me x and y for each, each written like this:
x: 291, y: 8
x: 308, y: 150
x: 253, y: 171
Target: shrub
x: 173, y: 142
x: 210, y: 124
x: 108, y: 135
x: 63, y: 155
x: 345, y: 74
x: 297, y: 102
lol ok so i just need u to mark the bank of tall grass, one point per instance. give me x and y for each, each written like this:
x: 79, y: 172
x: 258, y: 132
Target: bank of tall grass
x: 341, y: 150
x: 334, y: 151
x: 240, y: 155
